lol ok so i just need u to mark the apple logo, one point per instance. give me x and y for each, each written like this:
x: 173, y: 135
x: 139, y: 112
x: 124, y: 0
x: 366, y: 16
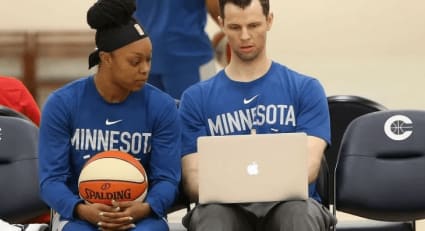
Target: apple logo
x: 252, y: 169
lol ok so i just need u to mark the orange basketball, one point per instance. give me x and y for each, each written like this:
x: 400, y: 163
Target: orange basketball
x: 112, y: 175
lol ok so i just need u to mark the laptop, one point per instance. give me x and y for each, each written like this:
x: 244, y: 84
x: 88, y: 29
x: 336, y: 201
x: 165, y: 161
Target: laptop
x: 253, y: 168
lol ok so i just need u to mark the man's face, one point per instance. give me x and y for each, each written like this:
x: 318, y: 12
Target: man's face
x: 246, y: 30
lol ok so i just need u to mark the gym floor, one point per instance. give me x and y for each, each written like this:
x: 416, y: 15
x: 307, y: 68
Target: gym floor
x: 175, y: 219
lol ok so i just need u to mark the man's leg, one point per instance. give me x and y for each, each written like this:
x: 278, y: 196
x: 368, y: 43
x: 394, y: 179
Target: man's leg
x: 299, y: 215
x: 220, y: 217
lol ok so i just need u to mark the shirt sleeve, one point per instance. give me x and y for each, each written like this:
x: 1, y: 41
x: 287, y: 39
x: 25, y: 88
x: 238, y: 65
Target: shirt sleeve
x: 314, y: 115
x: 190, y: 111
x: 165, y: 163
x: 54, y: 158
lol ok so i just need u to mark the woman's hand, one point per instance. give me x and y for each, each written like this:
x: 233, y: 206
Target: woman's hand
x: 123, y: 215
x: 93, y: 212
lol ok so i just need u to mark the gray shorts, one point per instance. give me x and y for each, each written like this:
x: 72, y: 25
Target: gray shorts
x: 289, y: 215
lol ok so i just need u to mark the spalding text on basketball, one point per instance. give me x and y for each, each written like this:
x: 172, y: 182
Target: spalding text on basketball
x: 119, y: 195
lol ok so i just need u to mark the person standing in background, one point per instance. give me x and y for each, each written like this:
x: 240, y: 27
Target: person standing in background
x: 182, y: 50
x: 14, y: 95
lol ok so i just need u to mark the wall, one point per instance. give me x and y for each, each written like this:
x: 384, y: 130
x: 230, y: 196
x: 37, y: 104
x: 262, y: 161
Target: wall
x: 44, y: 14
x: 372, y: 48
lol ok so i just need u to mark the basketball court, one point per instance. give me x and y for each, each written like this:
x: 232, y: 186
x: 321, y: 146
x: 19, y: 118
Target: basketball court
x: 176, y: 217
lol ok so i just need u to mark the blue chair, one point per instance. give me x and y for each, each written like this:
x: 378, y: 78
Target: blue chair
x: 6, y: 111
x: 20, y: 194
x: 380, y: 171
x: 342, y: 110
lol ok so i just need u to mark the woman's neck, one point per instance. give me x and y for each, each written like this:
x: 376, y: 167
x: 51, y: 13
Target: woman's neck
x: 110, y: 92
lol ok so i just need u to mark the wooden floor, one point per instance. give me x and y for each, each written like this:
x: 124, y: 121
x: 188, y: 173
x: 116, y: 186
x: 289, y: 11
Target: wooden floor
x: 176, y: 218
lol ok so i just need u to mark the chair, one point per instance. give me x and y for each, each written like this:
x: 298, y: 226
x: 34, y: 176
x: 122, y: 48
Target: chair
x: 19, y: 170
x: 380, y: 171
x: 322, y: 182
x: 6, y: 111
x: 343, y: 109
x: 181, y: 202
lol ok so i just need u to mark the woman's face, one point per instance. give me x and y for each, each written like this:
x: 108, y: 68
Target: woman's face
x: 129, y: 66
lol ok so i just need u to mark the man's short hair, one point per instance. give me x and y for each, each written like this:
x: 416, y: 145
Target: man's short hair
x: 243, y: 4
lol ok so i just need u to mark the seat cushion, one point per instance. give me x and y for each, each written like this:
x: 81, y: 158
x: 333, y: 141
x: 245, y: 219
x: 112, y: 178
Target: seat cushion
x: 371, y: 225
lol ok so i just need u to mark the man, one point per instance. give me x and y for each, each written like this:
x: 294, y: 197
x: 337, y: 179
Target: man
x: 253, y: 81
x: 182, y: 51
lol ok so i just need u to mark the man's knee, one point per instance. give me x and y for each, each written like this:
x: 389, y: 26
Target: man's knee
x: 296, y: 215
x: 212, y: 211
x: 292, y: 210
x: 221, y: 217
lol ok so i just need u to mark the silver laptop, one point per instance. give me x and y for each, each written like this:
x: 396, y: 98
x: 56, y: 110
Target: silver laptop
x: 253, y: 168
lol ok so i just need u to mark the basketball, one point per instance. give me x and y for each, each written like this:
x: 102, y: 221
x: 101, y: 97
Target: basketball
x: 112, y: 175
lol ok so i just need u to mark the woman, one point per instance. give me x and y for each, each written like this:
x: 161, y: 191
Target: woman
x: 115, y: 109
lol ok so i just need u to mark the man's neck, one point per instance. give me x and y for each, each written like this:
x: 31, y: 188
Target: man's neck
x: 243, y: 71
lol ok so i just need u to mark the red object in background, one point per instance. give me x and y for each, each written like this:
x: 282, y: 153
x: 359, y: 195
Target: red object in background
x: 15, y: 95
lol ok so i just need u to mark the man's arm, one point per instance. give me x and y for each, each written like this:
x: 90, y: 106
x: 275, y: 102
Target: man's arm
x: 213, y: 9
x: 190, y: 176
x: 316, y: 148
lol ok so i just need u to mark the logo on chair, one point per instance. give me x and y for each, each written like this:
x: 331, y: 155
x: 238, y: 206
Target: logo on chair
x: 398, y: 127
